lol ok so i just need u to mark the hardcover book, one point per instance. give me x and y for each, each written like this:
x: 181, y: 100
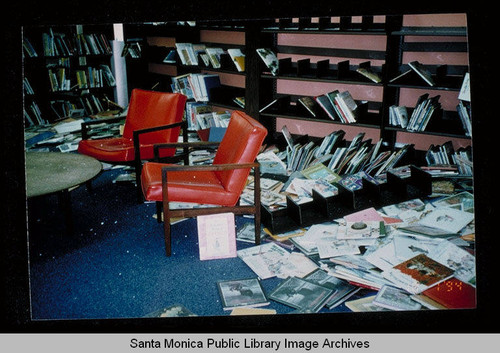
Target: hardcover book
x: 418, y: 274
x: 422, y: 72
x: 270, y: 60
x: 342, y: 290
x: 301, y: 294
x: 395, y: 299
x: 242, y: 293
x: 216, y: 236
x: 447, y: 219
x: 369, y: 74
x: 453, y: 294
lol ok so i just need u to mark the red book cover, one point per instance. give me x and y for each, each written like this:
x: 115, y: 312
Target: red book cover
x: 453, y: 294
x: 424, y: 270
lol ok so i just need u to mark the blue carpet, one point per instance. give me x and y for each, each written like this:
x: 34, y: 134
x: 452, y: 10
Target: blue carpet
x: 114, y: 265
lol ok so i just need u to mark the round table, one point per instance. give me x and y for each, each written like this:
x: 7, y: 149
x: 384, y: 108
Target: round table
x: 56, y: 172
x: 50, y: 172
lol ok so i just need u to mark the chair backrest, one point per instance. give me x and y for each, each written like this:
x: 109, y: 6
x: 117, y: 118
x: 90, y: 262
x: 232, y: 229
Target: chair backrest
x: 241, y: 144
x: 150, y: 109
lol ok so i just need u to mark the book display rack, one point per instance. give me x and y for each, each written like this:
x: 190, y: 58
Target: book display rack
x: 67, y: 72
x: 319, y: 53
x: 414, y: 184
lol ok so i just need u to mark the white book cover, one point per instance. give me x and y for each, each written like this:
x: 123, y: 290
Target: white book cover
x: 447, y: 219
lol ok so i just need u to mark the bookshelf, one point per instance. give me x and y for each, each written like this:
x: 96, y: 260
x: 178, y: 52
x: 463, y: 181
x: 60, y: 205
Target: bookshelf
x: 441, y: 48
x: 69, y: 71
x: 318, y: 55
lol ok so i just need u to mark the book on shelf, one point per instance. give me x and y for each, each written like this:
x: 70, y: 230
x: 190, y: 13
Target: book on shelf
x: 171, y: 57
x: 270, y: 60
x: 238, y: 58
x: 367, y: 72
x: 464, y: 112
x: 29, y: 49
x: 186, y: 53
x: 344, y: 104
x: 301, y: 294
x: 415, y: 68
x: 464, y: 94
x: 320, y: 171
x: 424, y: 110
x: 240, y: 101
x: 325, y: 103
x: 280, y: 104
x: 132, y: 49
x: 238, y: 293
x: 216, y: 236
x: 311, y: 106
x: 398, y: 116
x: 214, y: 56
x: 422, y: 71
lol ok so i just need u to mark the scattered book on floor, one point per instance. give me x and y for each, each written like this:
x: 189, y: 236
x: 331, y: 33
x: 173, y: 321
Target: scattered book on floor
x: 342, y: 290
x: 453, y: 294
x: 301, y: 294
x: 395, y: 299
x: 177, y: 310
x: 418, y: 274
x: 216, y: 236
x: 243, y: 311
x: 238, y: 293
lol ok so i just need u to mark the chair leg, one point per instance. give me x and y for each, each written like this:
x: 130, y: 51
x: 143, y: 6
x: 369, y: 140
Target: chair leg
x: 167, y: 231
x: 138, y: 170
x: 159, y: 209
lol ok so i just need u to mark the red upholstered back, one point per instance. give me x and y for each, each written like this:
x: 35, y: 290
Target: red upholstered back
x: 150, y: 109
x: 241, y: 144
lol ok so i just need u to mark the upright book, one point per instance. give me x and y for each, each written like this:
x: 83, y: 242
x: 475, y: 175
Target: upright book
x: 216, y: 236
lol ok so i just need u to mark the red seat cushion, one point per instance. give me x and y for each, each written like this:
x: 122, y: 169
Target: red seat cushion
x: 192, y: 186
x: 118, y: 149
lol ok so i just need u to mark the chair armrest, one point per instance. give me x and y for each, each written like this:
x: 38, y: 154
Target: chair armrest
x: 86, y: 124
x: 209, y: 167
x: 137, y: 133
x: 185, y: 145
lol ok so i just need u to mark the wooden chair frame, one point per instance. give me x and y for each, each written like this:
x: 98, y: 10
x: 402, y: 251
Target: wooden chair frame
x: 193, y: 212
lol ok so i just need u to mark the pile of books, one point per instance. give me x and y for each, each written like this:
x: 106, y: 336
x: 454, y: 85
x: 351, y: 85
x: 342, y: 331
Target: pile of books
x: 406, y: 256
x: 196, y: 86
x: 210, y: 57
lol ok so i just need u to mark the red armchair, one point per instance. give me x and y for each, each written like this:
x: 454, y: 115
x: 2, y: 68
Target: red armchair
x: 152, y: 118
x: 220, y: 183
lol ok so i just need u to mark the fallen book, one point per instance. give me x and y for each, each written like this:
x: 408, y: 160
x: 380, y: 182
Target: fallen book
x: 242, y: 293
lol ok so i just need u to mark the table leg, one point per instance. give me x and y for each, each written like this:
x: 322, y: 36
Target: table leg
x: 65, y: 204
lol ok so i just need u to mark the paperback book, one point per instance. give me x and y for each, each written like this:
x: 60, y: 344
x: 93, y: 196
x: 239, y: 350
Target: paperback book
x: 216, y: 236
x: 418, y: 274
x: 301, y: 294
x: 241, y: 293
x: 395, y: 299
x: 342, y: 290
